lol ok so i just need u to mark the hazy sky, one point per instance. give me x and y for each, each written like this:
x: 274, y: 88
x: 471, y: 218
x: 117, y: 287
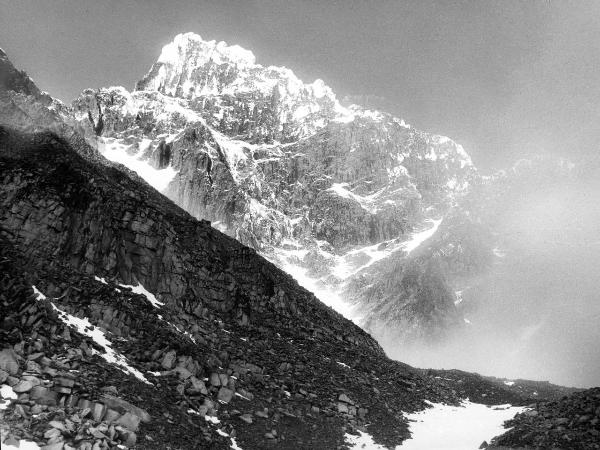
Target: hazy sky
x: 503, y: 78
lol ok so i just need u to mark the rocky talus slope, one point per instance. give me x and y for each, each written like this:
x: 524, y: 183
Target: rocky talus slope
x: 216, y: 339
x: 573, y: 422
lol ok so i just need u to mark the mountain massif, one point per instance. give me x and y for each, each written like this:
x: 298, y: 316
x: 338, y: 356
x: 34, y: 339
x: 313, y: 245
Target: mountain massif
x: 320, y: 189
x: 146, y: 306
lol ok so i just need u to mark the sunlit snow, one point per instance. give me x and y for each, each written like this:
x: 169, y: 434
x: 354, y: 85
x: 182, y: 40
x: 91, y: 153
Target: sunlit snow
x: 445, y: 427
x: 116, y: 151
x: 84, y: 327
x: 139, y: 289
x: 344, y: 270
x: 418, y: 238
x: 459, y: 297
x: 463, y: 427
x: 326, y: 295
x: 6, y: 394
x: 23, y: 444
x: 365, y: 201
x: 234, y: 151
x: 499, y: 253
x: 215, y: 421
x: 345, y: 266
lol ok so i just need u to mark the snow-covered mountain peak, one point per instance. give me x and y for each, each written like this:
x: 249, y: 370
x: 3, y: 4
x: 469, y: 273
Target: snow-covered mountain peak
x: 190, y: 67
x: 190, y: 45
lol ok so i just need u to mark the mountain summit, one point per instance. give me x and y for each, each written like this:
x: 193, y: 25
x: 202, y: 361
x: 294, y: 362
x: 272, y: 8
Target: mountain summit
x: 193, y: 69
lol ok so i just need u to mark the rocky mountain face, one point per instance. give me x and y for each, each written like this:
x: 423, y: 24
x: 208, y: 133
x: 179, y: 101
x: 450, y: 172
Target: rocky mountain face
x: 279, y: 164
x: 340, y: 197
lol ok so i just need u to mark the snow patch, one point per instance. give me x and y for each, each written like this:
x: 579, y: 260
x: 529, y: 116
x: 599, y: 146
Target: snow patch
x: 327, y: 296
x: 365, y: 201
x: 234, y: 151
x: 83, y: 326
x: 116, y: 151
x: 101, y: 280
x: 6, y: 394
x: 212, y: 419
x: 139, y: 289
x: 23, y: 444
x: 215, y: 421
x: 418, y: 238
x: 445, y: 427
x: 179, y: 330
x: 363, y: 441
x: 499, y: 253
x: 459, y: 297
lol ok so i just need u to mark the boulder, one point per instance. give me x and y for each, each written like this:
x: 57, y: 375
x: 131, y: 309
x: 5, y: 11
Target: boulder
x: 8, y: 361
x: 225, y: 395
x: 124, y: 406
x: 23, y: 386
x: 129, y: 421
x: 168, y: 360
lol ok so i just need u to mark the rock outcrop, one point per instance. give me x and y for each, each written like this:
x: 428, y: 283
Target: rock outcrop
x: 276, y: 163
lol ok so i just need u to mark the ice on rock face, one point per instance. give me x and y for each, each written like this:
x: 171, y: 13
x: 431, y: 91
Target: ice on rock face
x: 23, y: 445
